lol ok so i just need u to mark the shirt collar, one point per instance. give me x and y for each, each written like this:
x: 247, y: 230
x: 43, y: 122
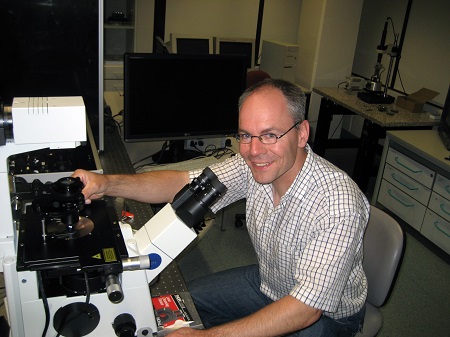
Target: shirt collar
x: 298, y: 187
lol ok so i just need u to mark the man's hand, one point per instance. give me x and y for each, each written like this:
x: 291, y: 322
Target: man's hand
x: 95, y: 184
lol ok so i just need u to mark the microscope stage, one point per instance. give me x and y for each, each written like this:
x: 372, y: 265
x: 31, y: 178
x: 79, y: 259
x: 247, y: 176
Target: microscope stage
x: 97, y: 246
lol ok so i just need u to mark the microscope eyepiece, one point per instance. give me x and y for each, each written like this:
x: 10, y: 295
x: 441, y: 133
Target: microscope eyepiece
x: 194, y: 200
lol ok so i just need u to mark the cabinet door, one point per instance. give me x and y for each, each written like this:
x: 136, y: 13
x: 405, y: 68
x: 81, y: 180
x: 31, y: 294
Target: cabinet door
x: 403, y: 205
x: 410, y: 167
x: 437, y: 230
x: 407, y: 184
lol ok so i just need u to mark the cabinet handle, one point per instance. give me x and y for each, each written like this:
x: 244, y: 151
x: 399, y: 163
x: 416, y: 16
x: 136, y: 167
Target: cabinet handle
x: 440, y: 229
x: 393, y: 196
x: 447, y: 188
x: 443, y: 209
x: 403, y: 184
x: 397, y: 159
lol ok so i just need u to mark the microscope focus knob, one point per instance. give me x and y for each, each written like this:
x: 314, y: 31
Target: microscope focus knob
x: 124, y: 325
x: 114, y: 289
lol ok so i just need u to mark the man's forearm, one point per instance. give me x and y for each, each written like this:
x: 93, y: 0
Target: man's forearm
x: 152, y: 187
x: 278, y: 318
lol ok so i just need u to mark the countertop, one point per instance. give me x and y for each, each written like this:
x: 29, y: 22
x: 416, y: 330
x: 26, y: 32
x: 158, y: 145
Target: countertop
x: 402, y: 118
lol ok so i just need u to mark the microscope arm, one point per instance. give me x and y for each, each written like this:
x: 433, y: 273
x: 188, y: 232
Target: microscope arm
x: 170, y: 231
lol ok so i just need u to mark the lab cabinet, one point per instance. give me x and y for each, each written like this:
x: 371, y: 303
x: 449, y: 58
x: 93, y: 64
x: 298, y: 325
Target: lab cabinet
x: 127, y: 27
x: 119, y: 28
x: 413, y: 183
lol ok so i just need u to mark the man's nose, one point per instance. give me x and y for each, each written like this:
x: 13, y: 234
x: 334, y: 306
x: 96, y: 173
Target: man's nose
x: 256, y: 147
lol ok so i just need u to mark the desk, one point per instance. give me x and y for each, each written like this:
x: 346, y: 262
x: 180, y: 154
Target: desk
x: 339, y: 101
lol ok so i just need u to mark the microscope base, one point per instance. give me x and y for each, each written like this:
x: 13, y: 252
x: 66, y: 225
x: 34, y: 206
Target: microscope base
x: 137, y: 303
x: 375, y: 98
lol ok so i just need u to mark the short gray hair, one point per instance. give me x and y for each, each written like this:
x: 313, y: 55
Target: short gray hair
x: 295, y: 98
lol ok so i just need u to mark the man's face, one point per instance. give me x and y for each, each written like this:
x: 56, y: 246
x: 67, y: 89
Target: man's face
x: 279, y: 163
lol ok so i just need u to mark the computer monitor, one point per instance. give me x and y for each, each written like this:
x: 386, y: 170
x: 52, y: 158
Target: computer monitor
x: 191, y: 44
x: 176, y: 97
x: 236, y: 46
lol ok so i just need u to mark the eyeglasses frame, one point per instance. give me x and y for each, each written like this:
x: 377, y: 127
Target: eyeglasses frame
x: 237, y: 136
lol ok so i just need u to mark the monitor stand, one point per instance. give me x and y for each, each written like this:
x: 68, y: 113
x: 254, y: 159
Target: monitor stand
x: 175, y: 153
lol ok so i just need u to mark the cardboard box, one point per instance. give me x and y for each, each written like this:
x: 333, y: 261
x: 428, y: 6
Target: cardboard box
x: 415, y: 101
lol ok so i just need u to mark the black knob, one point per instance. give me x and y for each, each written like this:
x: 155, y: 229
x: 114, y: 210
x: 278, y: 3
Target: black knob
x: 124, y: 325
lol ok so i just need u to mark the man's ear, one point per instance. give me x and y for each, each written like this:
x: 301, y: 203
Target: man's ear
x: 303, y: 135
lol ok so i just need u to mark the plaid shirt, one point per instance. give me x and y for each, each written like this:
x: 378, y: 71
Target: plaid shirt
x: 310, y: 245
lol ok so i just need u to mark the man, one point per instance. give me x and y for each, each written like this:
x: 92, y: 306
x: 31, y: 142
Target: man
x: 306, y: 219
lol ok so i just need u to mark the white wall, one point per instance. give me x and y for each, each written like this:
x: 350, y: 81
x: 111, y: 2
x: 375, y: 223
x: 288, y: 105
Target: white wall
x: 327, y: 39
x: 234, y: 18
x: 145, y: 9
x: 425, y: 60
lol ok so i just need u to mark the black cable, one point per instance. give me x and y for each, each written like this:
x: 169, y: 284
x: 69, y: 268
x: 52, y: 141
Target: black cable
x: 44, y: 302
x: 161, y: 153
x: 401, y: 81
x: 393, y: 28
x: 220, y: 152
x: 88, y: 290
x: 342, y: 118
x: 84, y: 311
x: 163, y: 148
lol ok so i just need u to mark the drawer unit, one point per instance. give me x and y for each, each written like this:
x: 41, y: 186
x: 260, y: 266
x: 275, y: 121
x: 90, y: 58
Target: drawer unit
x: 437, y: 230
x: 410, y: 167
x: 413, y: 183
x: 403, y: 205
x: 407, y: 184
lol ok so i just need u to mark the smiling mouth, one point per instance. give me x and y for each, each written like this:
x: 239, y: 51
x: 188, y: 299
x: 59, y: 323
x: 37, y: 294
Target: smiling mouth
x: 262, y: 165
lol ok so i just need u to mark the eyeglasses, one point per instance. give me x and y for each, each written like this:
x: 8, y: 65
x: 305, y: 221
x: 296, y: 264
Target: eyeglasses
x: 266, y: 138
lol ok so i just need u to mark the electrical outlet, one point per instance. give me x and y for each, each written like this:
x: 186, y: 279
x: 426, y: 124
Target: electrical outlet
x: 204, y: 144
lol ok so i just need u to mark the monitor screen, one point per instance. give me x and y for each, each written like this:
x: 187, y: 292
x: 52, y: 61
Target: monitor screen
x: 176, y: 96
x: 246, y: 47
x: 191, y: 44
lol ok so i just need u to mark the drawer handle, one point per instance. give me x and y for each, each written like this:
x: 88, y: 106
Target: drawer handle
x: 442, y: 206
x: 403, y: 184
x: 397, y: 159
x: 447, y: 188
x: 393, y: 196
x: 440, y: 229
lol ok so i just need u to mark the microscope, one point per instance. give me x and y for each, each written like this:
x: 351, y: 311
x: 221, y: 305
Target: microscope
x: 373, y: 92
x: 74, y: 269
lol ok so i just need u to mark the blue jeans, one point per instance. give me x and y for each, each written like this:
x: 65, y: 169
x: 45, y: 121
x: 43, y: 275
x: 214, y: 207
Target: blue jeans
x: 231, y: 294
